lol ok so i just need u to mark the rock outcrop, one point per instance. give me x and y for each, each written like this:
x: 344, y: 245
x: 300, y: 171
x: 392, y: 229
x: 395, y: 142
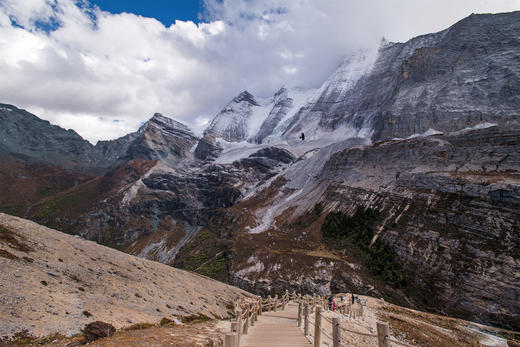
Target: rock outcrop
x: 281, y: 106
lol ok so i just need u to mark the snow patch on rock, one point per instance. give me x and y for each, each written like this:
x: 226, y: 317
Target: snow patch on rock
x: 258, y: 267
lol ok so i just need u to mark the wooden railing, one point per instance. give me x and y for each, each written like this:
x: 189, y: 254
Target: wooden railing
x: 247, y: 313
x: 336, y: 331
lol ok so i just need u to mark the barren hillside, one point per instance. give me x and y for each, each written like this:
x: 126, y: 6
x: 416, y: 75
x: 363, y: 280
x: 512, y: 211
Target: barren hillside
x: 53, y: 282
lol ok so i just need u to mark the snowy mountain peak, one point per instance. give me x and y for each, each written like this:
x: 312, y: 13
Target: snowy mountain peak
x: 239, y: 120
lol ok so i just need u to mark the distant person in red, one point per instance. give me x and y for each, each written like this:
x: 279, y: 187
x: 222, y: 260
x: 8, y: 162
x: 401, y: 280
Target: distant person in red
x: 302, y: 136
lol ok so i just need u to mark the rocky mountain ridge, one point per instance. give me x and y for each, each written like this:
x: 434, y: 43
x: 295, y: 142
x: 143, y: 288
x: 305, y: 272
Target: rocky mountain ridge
x: 24, y: 136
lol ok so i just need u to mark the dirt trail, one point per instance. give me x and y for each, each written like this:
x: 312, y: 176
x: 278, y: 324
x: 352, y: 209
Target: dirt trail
x: 276, y: 329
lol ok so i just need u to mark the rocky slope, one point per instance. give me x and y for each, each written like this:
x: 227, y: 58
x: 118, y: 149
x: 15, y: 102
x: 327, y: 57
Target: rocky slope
x: 447, y: 209
x: 27, y: 137
x: 152, y: 210
x: 52, y: 282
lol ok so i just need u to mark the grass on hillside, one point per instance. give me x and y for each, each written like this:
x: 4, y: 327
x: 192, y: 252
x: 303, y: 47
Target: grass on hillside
x: 207, y: 255
x: 355, y: 233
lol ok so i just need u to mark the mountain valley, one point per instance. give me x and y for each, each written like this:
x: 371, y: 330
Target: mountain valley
x: 406, y: 186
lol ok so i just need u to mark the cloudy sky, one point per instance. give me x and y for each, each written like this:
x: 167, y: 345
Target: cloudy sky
x: 102, y: 67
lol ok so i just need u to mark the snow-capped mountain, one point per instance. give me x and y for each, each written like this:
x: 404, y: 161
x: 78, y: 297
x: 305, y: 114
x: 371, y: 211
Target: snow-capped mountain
x: 255, y: 120
x: 240, y: 119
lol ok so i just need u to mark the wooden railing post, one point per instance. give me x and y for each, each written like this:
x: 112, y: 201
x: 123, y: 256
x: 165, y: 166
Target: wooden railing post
x: 230, y: 340
x: 253, y: 315
x: 317, y: 326
x: 260, y: 307
x: 239, y: 328
x: 299, y: 314
x: 383, y: 331
x: 306, y: 319
x: 246, y: 324
x: 335, y: 332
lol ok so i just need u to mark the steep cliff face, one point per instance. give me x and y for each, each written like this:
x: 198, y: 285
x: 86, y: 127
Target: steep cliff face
x: 459, y: 77
x: 447, y: 209
x: 450, y: 205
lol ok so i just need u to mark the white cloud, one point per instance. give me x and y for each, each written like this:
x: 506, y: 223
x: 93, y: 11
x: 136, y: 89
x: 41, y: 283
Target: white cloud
x: 97, y: 67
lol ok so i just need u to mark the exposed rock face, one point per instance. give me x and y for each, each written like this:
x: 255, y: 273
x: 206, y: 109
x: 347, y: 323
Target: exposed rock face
x: 275, y: 153
x: 25, y: 136
x: 459, y: 77
x: 451, y: 205
x: 149, y: 209
x: 449, y: 212
x: 207, y: 148
x: 160, y: 138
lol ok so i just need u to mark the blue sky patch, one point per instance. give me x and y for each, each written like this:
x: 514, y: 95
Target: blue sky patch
x: 166, y: 11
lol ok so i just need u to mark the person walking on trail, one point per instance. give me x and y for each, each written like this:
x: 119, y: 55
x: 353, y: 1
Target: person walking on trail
x: 331, y: 299
x: 302, y: 136
x: 353, y: 299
